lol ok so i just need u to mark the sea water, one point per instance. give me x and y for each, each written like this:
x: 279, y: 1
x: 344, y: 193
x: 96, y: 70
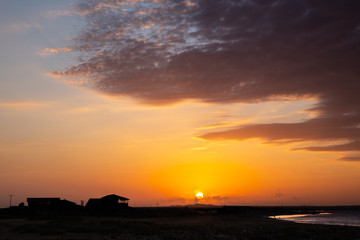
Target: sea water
x: 346, y: 218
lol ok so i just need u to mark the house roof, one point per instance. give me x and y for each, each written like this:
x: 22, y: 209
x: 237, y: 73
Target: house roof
x: 67, y: 202
x: 114, y: 196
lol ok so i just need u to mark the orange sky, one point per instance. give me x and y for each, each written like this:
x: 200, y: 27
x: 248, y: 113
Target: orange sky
x: 159, y: 117
x: 101, y: 145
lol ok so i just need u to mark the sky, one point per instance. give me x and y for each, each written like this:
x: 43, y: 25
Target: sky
x: 250, y: 102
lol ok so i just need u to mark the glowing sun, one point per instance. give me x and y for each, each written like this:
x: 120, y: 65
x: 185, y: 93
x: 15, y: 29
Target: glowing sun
x: 199, y: 195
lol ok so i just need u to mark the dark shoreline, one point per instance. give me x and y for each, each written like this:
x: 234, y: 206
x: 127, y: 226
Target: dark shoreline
x: 169, y: 211
x: 189, y: 222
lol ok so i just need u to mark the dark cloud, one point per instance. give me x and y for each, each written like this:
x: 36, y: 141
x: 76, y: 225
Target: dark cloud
x: 218, y: 198
x: 351, y: 158
x: 164, y: 51
x: 318, y: 129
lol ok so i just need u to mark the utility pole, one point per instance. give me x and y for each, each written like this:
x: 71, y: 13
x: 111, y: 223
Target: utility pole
x: 10, y: 198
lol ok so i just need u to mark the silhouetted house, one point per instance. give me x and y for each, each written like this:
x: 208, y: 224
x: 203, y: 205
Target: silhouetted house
x: 67, y: 203
x: 50, y: 206
x: 110, y: 204
x: 43, y: 202
x: 50, y: 202
x: 115, y: 200
x: 43, y: 207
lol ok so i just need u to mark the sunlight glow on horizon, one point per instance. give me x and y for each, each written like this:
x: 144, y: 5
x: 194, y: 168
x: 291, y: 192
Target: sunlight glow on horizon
x: 199, y: 195
x: 95, y: 101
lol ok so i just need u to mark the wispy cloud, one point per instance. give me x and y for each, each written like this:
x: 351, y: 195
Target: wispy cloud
x: 50, y: 51
x: 21, y: 104
x: 319, y: 129
x: 161, y: 52
x: 22, y: 26
x: 80, y: 110
x: 350, y: 158
x: 224, y: 125
x: 217, y: 125
x: 199, y: 148
x: 59, y: 13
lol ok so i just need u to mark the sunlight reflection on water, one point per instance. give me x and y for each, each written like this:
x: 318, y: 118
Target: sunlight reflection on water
x: 346, y: 218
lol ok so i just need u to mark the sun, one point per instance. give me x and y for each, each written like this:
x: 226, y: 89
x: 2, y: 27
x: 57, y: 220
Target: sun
x: 199, y: 195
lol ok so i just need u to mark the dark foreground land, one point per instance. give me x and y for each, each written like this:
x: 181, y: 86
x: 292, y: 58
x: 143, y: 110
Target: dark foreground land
x: 173, y: 223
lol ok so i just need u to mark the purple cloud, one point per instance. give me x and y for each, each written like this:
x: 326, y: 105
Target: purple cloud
x: 164, y: 51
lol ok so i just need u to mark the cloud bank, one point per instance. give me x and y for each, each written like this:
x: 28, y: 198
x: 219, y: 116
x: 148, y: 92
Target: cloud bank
x: 164, y: 51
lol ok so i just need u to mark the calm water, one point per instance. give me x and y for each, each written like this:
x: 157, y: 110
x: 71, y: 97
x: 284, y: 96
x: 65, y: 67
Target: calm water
x: 347, y: 218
